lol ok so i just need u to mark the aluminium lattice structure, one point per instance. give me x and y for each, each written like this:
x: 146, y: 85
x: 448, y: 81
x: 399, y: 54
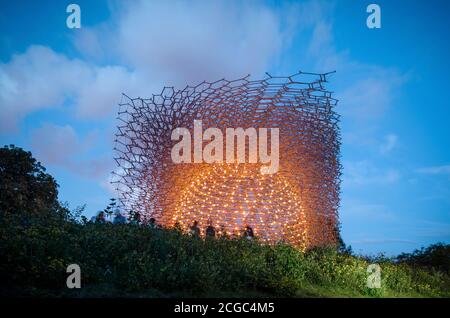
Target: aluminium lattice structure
x: 298, y: 204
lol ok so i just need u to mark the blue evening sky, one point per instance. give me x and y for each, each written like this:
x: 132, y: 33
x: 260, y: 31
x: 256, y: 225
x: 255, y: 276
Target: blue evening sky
x: 59, y: 90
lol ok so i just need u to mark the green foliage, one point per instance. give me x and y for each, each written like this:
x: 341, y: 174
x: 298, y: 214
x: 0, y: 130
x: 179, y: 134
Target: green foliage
x: 435, y: 256
x: 25, y: 186
x: 39, y: 238
x: 110, y: 209
x: 134, y: 259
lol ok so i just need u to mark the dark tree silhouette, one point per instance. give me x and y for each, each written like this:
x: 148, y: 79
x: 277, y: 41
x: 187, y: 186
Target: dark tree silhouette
x: 435, y: 256
x: 25, y: 187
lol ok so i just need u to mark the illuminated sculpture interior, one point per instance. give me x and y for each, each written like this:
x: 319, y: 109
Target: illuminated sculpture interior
x: 297, y: 205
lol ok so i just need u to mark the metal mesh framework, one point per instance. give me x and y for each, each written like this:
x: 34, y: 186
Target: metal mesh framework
x: 298, y: 204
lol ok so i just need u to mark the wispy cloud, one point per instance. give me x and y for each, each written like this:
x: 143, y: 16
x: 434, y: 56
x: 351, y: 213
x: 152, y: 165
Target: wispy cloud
x: 364, y: 172
x: 356, y: 209
x: 144, y: 46
x: 176, y: 44
x: 390, y: 141
x: 41, y: 78
x: 366, y: 91
x: 60, y: 146
x: 369, y: 95
x: 37, y: 79
x: 435, y: 170
x: 383, y: 241
x: 136, y: 54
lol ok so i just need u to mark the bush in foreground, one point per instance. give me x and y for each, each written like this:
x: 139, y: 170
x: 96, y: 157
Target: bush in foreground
x: 39, y: 238
x: 134, y: 260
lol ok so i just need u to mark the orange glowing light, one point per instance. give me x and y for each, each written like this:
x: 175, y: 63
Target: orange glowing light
x: 297, y: 205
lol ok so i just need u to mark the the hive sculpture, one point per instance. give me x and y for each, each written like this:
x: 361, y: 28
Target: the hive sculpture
x: 298, y: 204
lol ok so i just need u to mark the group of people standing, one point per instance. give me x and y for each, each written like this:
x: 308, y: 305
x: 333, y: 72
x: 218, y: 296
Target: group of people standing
x: 135, y: 218
x: 210, y: 230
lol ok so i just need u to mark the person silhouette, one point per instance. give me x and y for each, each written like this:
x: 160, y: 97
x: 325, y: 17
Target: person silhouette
x: 248, y: 232
x: 195, y: 230
x: 223, y: 232
x: 210, y: 230
x: 152, y: 223
x: 100, y: 218
x: 119, y: 218
x: 135, y: 218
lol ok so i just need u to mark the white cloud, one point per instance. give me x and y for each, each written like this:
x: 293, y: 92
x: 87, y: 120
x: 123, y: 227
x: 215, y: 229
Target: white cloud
x: 321, y: 43
x: 89, y: 42
x: 355, y: 209
x: 435, y: 170
x: 364, y: 172
x: 100, y: 96
x: 37, y: 79
x: 150, y: 44
x: 144, y: 46
x: 390, y: 141
x: 41, y: 78
x: 369, y: 96
x: 186, y: 42
x: 365, y: 91
x: 60, y: 146
x: 180, y: 43
x: 54, y: 144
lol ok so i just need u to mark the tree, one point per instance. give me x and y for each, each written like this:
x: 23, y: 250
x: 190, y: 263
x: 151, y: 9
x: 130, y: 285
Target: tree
x: 25, y: 187
x: 435, y: 256
x: 341, y: 246
x: 110, y: 209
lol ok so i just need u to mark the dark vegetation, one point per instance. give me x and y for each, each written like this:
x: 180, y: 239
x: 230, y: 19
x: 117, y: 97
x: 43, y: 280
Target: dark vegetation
x: 40, y: 237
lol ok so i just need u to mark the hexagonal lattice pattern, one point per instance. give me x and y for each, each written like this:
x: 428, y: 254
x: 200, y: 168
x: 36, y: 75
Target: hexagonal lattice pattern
x: 298, y: 204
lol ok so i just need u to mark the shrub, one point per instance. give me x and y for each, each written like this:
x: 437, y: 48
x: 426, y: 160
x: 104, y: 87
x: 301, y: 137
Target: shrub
x: 134, y: 259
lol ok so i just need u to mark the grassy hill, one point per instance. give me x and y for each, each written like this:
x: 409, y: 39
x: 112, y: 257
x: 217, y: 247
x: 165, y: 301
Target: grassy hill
x: 40, y: 237
x: 134, y: 261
